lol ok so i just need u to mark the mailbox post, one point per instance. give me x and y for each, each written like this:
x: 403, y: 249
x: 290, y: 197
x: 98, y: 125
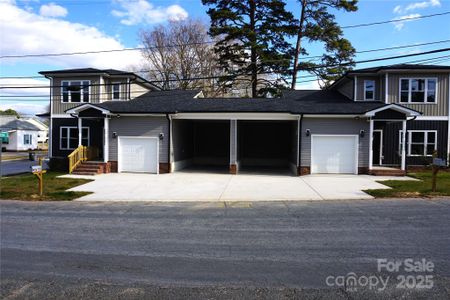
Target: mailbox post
x: 39, y: 172
x: 436, y: 165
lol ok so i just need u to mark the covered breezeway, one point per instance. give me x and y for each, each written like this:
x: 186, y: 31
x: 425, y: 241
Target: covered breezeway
x: 244, y: 146
x: 202, y: 145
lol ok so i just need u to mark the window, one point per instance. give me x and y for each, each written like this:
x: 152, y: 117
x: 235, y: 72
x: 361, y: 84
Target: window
x: 27, y: 139
x: 68, y: 139
x: 420, y: 142
x: 116, y: 91
x: 418, y: 90
x: 75, y: 91
x: 369, y: 89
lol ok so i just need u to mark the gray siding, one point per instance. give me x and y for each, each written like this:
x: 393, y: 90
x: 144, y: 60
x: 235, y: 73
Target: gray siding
x: 335, y: 126
x: 379, y: 81
x: 438, y: 109
x: 58, y: 107
x: 346, y: 89
x: 106, y: 89
x: 139, y: 126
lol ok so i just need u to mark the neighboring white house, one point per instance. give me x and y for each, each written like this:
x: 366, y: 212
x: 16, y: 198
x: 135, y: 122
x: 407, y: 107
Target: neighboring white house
x: 21, y: 135
x: 43, y: 132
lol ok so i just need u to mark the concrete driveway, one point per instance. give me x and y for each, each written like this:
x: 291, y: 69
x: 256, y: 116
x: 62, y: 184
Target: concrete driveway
x: 185, y: 186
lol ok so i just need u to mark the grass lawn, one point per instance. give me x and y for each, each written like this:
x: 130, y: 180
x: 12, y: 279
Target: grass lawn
x: 415, y: 188
x: 25, y: 187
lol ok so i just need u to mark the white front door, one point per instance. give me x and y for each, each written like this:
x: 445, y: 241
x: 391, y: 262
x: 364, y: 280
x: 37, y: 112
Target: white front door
x: 336, y: 154
x: 138, y: 154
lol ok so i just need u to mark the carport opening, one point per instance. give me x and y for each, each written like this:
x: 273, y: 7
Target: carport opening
x: 201, y: 145
x: 267, y: 147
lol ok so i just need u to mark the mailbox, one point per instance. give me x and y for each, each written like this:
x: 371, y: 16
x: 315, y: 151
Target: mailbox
x: 439, y: 162
x: 36, y: 169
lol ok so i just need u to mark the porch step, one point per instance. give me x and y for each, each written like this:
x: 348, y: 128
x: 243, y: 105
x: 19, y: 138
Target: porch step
x: 393, y: 172
x: 89, y: 168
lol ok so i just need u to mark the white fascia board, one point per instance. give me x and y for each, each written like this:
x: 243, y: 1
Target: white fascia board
x: 402, y: 109
x: 333, y: 116
x: 236, y: 116
x: 431, y: 118
x: 82, y: 107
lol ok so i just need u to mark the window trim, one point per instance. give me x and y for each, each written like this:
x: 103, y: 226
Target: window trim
x: 31, y: 139
x: 425, y: 142
x: 112, y: 90
x: 368, y: 90
x: 70, y: 92
x: 410, y: 91
x: 68, y: 143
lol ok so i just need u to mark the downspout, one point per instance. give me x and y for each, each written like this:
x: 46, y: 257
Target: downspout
x: 170, y: 144
x: 406, y: 140
x: 299, y: 153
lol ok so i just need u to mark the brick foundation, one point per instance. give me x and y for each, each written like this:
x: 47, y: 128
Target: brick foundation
x: 233, y: 169
x: 363, y: 170
x: 164, y: 168
x: 303, y: 171
x: 111, y: 167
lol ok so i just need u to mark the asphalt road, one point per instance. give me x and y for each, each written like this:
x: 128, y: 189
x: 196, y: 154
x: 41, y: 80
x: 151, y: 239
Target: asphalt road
x: 12, y: 167
x: 259, y: 250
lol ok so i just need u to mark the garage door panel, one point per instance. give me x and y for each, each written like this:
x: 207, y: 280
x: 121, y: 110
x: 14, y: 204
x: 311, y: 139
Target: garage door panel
x: 334, y: 154
x: 138, y: 154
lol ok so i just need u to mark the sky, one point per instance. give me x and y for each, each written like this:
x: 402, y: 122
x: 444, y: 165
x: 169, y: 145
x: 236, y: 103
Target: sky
x: 39, y: 26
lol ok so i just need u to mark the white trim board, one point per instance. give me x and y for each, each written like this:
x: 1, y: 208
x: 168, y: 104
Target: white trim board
x: 236, y: 116
x: 431, y: 118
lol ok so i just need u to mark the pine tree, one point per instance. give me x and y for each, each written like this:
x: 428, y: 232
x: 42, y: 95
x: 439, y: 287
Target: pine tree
x: 253, y: 39
x: 317, y: 24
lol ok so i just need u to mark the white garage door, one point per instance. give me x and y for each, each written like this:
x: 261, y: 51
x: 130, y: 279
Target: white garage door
x: 138, y: 154
x: 334, y: 154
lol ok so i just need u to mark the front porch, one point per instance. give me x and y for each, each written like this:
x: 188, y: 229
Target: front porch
x: 91, y: 155
x: 387, y: 146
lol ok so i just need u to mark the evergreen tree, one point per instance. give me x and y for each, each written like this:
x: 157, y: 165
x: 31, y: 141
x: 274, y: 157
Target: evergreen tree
x: 317, y: 24
x: 252, y: 38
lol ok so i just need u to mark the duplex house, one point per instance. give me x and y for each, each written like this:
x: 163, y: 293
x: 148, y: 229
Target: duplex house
x: 377, y: 120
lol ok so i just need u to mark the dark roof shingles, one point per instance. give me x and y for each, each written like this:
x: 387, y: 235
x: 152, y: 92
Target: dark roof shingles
x: 297, y: 102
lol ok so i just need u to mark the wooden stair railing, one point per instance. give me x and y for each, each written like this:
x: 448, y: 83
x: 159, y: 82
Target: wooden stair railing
x: 81, y: 154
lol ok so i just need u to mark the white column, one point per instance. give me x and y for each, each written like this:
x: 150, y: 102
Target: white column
x: 386, y: 89
x: 80, y: 131
x: 106, y: 139
x: 370, y: 144
x: 355, y: 88
x: 403, y: 167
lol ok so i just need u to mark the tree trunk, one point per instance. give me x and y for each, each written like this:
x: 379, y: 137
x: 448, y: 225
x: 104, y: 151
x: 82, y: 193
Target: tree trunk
x: 253, y: 56
x: 298, y: 45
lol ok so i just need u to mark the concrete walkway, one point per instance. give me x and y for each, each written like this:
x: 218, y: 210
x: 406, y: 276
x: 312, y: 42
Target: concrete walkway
x: 185, y: 186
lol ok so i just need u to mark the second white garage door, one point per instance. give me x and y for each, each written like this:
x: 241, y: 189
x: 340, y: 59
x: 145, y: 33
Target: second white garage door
x: 336, y: 154
x: 138, y: 154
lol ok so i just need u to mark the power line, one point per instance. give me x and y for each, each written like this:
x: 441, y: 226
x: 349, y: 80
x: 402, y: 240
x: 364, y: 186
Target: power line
x: 396, y: 20
x: 260, y: 73
x: 306, y: 57
x: 199, y: 43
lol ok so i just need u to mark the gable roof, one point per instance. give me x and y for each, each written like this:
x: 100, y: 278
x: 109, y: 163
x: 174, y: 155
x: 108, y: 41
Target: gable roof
x: 399, y: 67
x: 295, y: 102
x: 13, y: 123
